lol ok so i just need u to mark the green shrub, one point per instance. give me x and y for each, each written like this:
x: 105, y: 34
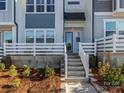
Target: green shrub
x: 16, y: 83
x: 103, y: 68
x: 49, y: 71
x: 115, y: 76
x: 122, y: 70
x: 2, y: 66
x: 26, y: 72
x: 12, y: 71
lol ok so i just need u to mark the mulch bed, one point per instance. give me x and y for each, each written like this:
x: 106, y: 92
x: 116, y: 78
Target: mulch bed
x: 36, y: 83
x: 109, y: 89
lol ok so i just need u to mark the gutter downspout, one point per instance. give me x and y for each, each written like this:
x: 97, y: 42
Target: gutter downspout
x: 63, y: 20
x: 93, y: 21
x: 15, y: 21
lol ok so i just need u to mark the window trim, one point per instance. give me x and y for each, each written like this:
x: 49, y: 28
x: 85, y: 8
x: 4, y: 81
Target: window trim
x: 112, y: 20
x: 6, y: 3
x: 44, y: 30
x: 45, y: 8
x: 118, y: 8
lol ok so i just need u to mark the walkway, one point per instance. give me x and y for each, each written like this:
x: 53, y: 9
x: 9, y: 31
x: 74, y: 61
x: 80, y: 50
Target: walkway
x: 79, y: 87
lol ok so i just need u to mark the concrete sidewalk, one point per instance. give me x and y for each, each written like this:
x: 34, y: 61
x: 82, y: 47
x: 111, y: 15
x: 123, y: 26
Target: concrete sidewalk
x: 79, y: 87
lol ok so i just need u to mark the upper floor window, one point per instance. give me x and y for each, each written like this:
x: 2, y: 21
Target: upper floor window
x: 2, y: 4
x: 50, y: 5
x: 40, y: 6
x: 118, y: 5
x: 121, y: 3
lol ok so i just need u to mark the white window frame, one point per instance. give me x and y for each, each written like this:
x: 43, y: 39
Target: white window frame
x: 112, y: 20
x: 118, y: 8
x: 45, y: 8
x: 6, y: 3
x: 44, y: 30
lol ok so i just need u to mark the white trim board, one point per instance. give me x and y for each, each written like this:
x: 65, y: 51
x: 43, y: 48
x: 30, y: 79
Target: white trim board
x: 7, y: 23
x: 103, y: 13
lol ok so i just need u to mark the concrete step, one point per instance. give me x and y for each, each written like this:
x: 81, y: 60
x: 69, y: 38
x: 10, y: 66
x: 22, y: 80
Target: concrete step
x: 74, y: 60
x: 78, y: 68
x: 76, y: 79
x: 73, y: 57
x: 62, y: 65
x: 76, y: 73
x: 75, y: 64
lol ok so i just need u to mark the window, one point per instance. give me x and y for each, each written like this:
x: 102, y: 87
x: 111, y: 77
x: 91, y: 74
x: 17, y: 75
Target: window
x: 30, y: 36
x: 2, y: 4
x: 50, y: 36
x: 40, y: 6
x: 73, y: 2
x: 39, y: 36
x: 30, y: 6
x: 50, y: 6
x: 121, y: 27
x: 8, y: 37
x: 121, y: 3
x: 78, y: 37
x: 110, y: 28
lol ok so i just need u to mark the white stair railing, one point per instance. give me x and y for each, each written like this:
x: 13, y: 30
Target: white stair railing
x: 66, y: 60
x: 85, y: 60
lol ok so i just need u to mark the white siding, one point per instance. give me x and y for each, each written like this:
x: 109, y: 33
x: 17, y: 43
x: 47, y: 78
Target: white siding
x: 75, y: 8
x: 99, y: 25
x: 20, y: 17
x: 21, y: 11
x: 86, y: 35
x: 8, y: 14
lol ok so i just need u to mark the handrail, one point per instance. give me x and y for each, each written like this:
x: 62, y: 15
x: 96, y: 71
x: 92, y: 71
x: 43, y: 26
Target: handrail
x: 85, y: 60
x: 66, y: 60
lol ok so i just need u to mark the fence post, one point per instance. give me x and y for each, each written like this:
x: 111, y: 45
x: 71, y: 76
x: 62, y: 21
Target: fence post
x: 114, y: 43
x: 79, y: 48
x: 95, y: 48
x: 34, y: 49
x: 4, y: 49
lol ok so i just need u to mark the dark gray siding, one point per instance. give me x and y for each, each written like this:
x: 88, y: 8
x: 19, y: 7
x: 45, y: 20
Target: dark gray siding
x: 102, y: 6
x: 40, y: 20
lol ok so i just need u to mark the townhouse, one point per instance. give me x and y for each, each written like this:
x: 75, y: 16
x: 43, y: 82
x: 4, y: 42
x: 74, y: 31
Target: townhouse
x: 41, y: 32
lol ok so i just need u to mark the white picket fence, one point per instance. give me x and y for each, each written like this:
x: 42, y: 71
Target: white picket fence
x: 33, y: 49
x: 88, y: 48
x: 113, y: 44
